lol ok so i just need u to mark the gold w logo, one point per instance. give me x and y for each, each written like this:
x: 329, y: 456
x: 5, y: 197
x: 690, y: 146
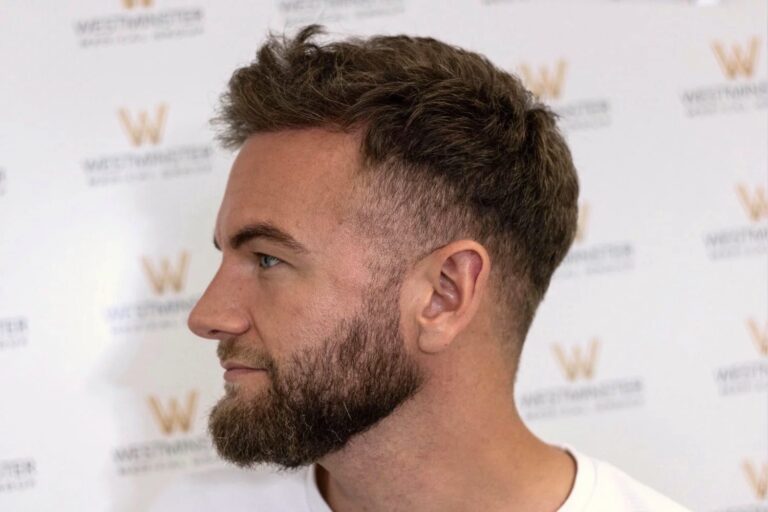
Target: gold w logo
x: 755, y: 203
x: 758, y: 480
x: 144, y: 129
x: 130, y: 4
x: 760, y: 337
x: 577, y: 364
x: 739, y: 61
x: 581, y: 223
x: 547, y: 84
x: 174, y: 417
x: 167, y: 276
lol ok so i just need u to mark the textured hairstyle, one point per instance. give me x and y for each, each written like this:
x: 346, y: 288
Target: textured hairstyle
x: 451, y: 146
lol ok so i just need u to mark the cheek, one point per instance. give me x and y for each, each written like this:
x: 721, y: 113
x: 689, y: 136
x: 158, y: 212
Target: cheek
x: 301, y: 315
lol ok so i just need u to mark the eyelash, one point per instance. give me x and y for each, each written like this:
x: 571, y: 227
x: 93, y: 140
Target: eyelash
x: 261, y: 257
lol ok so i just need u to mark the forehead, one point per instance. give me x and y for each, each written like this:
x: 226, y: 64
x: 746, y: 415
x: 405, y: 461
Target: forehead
x: 301, y: 180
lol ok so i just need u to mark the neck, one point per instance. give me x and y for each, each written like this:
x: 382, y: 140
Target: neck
x: 461, y: 449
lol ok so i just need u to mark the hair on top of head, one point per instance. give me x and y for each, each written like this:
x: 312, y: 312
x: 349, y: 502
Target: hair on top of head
x: 453, y: 146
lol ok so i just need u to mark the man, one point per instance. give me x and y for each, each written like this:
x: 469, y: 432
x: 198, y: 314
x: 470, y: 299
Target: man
x: 389, y: 227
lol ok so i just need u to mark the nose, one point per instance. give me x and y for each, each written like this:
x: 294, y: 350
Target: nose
x: 217, y: 314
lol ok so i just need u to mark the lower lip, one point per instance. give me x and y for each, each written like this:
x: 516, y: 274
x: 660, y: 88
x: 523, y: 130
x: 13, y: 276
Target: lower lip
x: 237, y: 373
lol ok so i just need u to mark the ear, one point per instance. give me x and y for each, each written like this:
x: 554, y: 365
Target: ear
x: 446, y: 291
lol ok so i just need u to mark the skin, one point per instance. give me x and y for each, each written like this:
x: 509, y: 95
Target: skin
x: 459, y: 444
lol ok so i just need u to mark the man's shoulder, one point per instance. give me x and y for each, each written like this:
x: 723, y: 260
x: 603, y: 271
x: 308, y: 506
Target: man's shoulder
x: 613, y: 489
x: 235, y: 490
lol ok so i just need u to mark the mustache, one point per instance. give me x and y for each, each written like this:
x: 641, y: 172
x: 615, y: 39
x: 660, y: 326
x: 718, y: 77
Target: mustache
x: 245, y: 353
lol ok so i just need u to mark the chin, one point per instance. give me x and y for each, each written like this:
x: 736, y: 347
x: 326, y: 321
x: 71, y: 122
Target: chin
x: 242, y: 393
x: 231, y: 389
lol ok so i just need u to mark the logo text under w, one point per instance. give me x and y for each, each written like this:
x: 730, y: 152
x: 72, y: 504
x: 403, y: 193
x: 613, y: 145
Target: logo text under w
x: 739, y: 61
x: 167, y: 276
x: 173, y: 417
x: 141, y: 127
x: 547, y: 83
x: 577, y: 364
x: 758, y: 480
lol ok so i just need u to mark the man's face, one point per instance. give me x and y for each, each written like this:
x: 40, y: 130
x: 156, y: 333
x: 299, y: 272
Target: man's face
x: 311, y: 338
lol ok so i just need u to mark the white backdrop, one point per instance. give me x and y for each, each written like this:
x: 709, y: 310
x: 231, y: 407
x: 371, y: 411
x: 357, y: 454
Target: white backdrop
x: 650, y: 350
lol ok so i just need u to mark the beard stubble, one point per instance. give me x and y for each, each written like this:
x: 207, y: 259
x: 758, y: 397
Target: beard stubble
x: 327, y: 393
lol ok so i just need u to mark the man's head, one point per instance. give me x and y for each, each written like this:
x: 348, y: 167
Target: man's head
x: 391, y: 196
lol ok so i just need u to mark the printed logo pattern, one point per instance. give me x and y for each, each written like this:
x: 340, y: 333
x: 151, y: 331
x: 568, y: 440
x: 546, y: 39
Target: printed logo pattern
x: 148, y: 158
x: 547, y: 81
x: 749, y: 376
x: 739, y: 62
x: 577, y: 364
x: 172, y: 416
x: 169, y: 305
x: 144, y: 128
x: 167, y: 277
x: 584, y: 392
x: 179, y: 448
x: 546, y: 84
x: 757, y: 478
x: 130, y: 4
x: 755, y: 202
x: 740, y: 92
x: 139, y: 22
x: 586, y: 258
x: 746, y: 240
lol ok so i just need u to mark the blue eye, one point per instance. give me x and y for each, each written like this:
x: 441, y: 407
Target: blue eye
x: 267, y: 261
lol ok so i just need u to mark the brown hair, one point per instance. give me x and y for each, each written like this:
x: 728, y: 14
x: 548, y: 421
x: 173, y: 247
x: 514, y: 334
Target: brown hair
x: 452, y: 147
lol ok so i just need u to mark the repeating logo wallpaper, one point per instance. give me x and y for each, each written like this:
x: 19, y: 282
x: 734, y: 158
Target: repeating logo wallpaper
x: 129, y: 147
x: 741, y: 89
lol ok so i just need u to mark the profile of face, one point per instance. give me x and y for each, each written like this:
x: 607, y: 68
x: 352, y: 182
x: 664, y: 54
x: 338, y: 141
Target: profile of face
x: 309, y: 333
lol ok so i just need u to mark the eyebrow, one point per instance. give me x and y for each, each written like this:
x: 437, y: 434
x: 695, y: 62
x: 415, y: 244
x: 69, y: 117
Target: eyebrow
x: 263, y: 230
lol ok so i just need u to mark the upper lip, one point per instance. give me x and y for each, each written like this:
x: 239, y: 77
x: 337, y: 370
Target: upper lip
x: 236, y: 365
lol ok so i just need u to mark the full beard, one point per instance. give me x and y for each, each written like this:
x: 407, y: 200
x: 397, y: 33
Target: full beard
x: 327, y: 394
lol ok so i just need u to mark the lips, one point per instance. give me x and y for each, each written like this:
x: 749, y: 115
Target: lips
x: 236, y: 370
x: 234, y: 365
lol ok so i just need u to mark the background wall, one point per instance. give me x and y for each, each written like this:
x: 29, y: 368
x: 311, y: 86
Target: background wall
x: 650, y: 351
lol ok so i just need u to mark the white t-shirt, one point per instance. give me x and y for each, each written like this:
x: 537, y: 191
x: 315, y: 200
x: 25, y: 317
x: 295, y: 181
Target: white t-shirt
x: 599, y: 487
